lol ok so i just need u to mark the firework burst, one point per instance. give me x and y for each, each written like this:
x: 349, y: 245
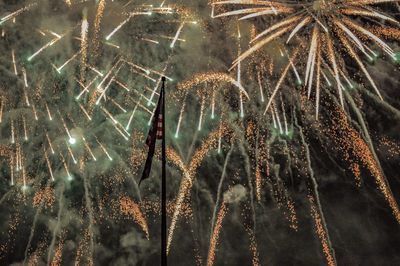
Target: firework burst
x: 80, y: 83
x: 327, y: 30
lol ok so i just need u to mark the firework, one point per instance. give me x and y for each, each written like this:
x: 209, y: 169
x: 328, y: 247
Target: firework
x: 247, y: 166
x: 323, y: 28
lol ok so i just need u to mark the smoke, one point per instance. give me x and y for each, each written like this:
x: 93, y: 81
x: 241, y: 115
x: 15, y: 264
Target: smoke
x: 235, y: 195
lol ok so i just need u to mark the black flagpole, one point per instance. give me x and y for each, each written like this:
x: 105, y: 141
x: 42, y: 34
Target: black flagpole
x: 163, y: 187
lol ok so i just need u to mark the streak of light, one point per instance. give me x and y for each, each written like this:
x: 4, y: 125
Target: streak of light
x: 89, y: 149
x: 48, y: 164
x: 13, y: 60
x: 70, y: 152
x: 217, y: 229
x: 50, y: 144
x: 84, y: 111
x: 104, y: 149
x: 133, y: 113
x: 177, y: 34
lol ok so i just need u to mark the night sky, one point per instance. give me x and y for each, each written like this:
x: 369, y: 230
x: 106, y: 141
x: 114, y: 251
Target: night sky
x: 282, y: 132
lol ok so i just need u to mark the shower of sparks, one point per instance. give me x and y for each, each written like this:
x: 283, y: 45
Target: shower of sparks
x: 323, y: 28
x: 81, y: 97
x: 217, y: 228
x: 189, y: 173
x: 65, y: 151
x: 129, y: 207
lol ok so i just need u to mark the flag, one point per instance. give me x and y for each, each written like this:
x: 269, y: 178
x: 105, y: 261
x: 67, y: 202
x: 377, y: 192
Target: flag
x: 156, y: 132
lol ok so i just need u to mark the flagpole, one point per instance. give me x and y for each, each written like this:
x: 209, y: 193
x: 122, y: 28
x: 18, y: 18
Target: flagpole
x: 163, y: 186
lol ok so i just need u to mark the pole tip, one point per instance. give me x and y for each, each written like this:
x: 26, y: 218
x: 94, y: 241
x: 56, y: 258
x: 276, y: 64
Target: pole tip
x: 163, y: 78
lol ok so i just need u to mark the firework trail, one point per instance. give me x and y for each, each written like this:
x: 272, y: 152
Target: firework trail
x: 192, y: 146
x: 364, y: 128
x: 129, y: 207
x: 353, y: 145
x: 4, y: 197
x: 217, y: 228
x: 289, y: 160
x: 89, y: 209
x: 249, y: 182
x: 221, y: 180
x: 58, y: 253
x: 189, y: 174
x: 203, y: 82
x: 197, y: 157
x: 186, y: 182
x: 322, y: 233
x: 57, y: 227
x: 322, y: 228
x: 283, y: 199
x: 97, y: 24
x: 32, y: 232
x: 253, y: 247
